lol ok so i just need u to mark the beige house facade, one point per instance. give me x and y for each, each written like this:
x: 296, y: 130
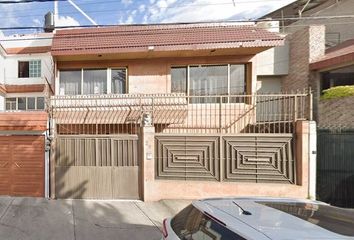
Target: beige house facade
x: 169, y: 111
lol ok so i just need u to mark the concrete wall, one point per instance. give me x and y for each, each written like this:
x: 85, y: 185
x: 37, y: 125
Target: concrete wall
x: 27, y: 40
x: 154, y: 189
x: 11, y: 69
x: 269, y: 84
x: 274, y: 61
x: 2, y: 68
x: 306, y: 46
x: 149, y: 77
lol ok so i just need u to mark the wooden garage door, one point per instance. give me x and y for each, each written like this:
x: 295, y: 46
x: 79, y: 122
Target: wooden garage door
x: 22, y: 166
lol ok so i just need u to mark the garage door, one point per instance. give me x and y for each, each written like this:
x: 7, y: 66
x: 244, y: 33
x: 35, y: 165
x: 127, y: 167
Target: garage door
x: 97, y: 167
x: 22, y: 166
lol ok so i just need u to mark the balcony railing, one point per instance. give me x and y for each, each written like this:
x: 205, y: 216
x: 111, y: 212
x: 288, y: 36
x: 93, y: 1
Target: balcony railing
x: 177, y: 113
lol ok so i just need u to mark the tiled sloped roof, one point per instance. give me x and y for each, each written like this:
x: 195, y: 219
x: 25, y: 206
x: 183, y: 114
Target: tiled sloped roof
x: 336, y: 56
x: 170, y: 37
x: 28, y: 50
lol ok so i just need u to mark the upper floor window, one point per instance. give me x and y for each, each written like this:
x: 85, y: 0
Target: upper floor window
x: 118, y: 77
x: 92, y: 81
x: 205, y: 80
x: 179, y: 79
x: 70, y: 82
x: 29, y: 69
x: 25, y: 103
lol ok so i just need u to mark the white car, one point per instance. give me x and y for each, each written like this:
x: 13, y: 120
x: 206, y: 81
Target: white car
x: 258, y: 219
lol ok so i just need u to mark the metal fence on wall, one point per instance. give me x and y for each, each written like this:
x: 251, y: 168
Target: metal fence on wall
x: 177, y: 113
x: 257, y: 158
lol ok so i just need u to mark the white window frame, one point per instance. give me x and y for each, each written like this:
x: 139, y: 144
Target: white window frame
x: 35, y: 103
x: 15, y: 104
x: 39, y: 67
x: 29, y: 68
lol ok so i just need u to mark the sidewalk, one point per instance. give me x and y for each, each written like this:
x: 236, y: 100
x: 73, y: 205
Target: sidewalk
x: 41, y: 219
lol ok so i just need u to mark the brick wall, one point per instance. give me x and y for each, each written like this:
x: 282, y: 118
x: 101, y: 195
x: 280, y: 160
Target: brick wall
x: 306, y: 45
x: 336, y: 113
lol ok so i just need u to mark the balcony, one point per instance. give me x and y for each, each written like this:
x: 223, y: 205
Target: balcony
x: 176, y: 113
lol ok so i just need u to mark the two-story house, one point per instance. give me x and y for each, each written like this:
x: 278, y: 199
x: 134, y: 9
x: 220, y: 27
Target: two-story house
x: 26, y: 70
x: 171, y: 111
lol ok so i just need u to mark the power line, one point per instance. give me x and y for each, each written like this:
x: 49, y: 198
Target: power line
x: 291, y: 18
x: 175, y: 6
x: 28, y: 1
x: 146, y: 7
x: 241, y: 20
x: 115, y: 25
x: 192, y: 23
x: 201, y: 4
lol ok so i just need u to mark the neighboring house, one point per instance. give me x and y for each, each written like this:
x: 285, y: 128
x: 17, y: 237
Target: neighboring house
x: 321, y: 57
x: 335, y: 119
x: 25, y: 75
x: 335, y: 68
x: 26, y: 71
x: 338, y: 29
x: 306, y: 41
x: 171, y: 111
x: 272, y: 65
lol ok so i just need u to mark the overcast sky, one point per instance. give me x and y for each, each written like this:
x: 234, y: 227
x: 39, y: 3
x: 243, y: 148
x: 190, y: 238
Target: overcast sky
x: 137, y: 11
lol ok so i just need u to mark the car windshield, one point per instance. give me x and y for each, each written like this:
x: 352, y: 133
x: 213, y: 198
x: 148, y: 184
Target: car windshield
x: 192, y: 224
x: 337, y: 220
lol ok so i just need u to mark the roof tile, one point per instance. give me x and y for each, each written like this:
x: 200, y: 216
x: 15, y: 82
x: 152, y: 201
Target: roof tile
x: 336, y: 56
x: 169, y: 37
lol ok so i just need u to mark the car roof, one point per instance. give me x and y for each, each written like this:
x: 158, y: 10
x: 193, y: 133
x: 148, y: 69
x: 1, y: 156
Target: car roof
x: 278, y: 218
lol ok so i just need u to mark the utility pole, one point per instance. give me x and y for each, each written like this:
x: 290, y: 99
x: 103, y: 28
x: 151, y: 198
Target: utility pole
x: 56, y: 12
x: 303, y: 9
x: 82, y: 12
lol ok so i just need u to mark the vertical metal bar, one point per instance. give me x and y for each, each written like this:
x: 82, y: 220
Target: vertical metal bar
x: 188, y: 83
x: 280, y: 109
x: 228, y: 82
x: 295, y: 108
x: 289, y: 113
x: 310, y: 99
x: 220, y: 104
x: 221, y: 158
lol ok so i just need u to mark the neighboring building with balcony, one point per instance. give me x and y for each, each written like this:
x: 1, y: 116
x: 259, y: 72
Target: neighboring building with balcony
x: 310, y: 27
x: 26, y: 71
x: 171, y: 111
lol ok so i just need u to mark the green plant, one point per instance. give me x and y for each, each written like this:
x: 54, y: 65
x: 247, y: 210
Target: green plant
x: 338, y: 92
